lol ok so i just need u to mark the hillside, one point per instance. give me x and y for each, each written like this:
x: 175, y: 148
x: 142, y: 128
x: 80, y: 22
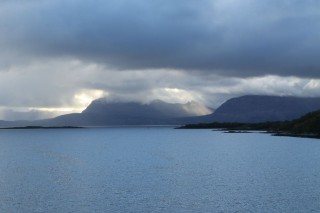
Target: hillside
x: 307, y: 124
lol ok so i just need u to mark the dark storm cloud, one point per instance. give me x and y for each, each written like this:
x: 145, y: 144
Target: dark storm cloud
x: 225, y: 37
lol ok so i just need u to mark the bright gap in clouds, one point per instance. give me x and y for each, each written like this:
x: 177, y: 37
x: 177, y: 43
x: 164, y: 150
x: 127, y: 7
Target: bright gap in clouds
x: 80, y: 101
x: 85, y: 97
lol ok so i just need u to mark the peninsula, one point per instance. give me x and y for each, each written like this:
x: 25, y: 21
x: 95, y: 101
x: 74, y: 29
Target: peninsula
x: 305, y: 126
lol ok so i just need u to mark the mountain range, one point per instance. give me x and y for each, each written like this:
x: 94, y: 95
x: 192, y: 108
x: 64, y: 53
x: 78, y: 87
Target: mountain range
x: 103, y: 113
x: 245, y: 109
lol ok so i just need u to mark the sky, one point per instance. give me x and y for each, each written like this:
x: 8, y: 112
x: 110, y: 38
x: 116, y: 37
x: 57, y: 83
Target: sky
x: 57, y: 56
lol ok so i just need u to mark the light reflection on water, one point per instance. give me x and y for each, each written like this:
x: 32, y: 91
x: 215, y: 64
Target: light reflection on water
x: 156, y: 170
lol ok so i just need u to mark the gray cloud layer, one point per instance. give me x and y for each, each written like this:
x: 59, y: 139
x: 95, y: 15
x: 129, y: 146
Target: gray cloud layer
x: 224, y: 37
x: 58, y: 55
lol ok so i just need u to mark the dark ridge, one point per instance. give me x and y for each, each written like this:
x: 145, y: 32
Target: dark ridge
x: 305, y: 126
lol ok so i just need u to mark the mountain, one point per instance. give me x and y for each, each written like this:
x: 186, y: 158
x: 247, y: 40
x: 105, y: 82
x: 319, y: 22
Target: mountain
x: 156, y: 108
x: 103, y: 113
x: 256, y: 108
x: 6, y: 123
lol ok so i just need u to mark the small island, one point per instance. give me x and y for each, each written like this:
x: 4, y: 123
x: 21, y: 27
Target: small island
x: 307, y: 126
x: 43, y: 127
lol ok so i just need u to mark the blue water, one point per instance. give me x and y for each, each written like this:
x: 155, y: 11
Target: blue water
x: 156, y: 170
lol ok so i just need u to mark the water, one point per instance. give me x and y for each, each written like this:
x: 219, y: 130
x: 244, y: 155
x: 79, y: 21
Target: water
x: 156, y: 170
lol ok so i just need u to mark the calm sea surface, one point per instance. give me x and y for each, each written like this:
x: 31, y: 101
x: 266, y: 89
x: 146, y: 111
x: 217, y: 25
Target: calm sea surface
x: 156, y: 170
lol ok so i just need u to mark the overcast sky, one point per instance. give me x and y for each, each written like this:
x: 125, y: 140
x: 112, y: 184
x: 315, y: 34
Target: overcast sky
x: 56, y: 56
